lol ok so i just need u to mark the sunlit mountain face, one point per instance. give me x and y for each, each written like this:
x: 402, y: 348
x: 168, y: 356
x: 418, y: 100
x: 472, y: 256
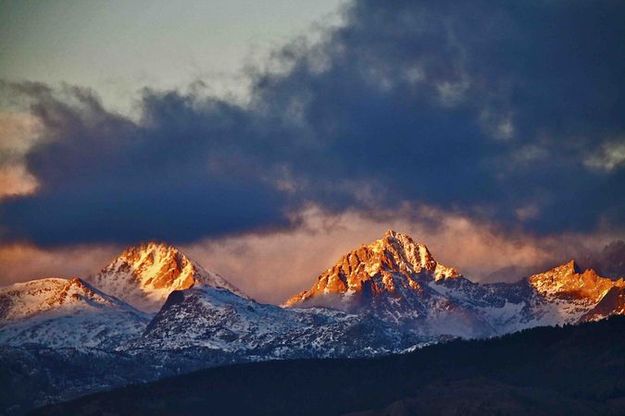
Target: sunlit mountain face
x: 209, y: 184
x: 153, y: 312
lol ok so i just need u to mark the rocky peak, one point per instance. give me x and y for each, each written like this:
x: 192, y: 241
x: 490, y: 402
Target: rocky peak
x: 568, y: 268
x: 569, y: 281
x: 391, y: 263
x: 397, y: 250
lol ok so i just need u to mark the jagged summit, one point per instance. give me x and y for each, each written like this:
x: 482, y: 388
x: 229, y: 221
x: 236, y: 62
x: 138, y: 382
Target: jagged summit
x: 570, y: 267
x: 145, y: 274
x: 569, y: 281
x: 415, y: 256
x: 393, y: 263
x: 398, y: 280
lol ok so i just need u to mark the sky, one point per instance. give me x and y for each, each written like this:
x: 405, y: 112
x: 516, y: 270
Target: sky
x: 116, y: 46
x: 268, y: 138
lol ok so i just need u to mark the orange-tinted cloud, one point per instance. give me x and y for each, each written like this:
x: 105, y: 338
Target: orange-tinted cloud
x: 21, y: 262
x: 276, y: 265
x: 273, y: 266
x: 15, y: 180
x: 18, y: 132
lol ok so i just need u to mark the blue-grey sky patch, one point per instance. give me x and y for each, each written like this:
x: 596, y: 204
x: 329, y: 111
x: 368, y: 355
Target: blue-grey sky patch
x: 120, y: 46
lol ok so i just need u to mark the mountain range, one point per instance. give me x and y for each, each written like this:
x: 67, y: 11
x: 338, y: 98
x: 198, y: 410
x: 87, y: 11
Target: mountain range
x: 161, y: 313
x: 399, y: 281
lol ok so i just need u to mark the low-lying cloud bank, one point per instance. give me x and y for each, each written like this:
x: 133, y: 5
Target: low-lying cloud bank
x: 273, y: 266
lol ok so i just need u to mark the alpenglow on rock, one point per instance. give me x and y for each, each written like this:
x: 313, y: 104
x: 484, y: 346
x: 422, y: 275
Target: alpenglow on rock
x: 392, y: 279
x: 392, y: 264
x: 392, y: 296
x: 145, y: 275
x: 399, y: 281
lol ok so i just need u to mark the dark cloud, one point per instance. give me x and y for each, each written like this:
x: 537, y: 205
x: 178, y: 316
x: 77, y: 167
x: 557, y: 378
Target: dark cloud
x: 176, y: 175
x: 485, y: 107
x: 610, y: 261
x: 506, y: 111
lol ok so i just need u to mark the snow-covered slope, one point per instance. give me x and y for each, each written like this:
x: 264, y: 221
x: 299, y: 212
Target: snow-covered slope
x: 145, y: 275
x: 60, y: 313
x: 218, y: 319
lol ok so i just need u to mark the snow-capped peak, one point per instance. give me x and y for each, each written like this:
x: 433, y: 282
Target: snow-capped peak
x: 60, y: 312
x: 23, y: 300
x: 382, y: 266
x: 144, y: 275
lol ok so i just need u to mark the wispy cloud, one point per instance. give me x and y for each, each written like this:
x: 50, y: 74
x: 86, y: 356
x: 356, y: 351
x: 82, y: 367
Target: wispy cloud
x: 609, y: 157
x: 18, y: 134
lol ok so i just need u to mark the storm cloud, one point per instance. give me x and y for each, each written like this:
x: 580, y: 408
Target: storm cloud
x: 507, y: 112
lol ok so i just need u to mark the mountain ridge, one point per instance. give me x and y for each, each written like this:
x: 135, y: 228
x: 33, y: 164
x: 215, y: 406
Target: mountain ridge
x: 529, y: 372
x: 58, y: 312
x: 400, y: 280
x: 393, y: 279
x: 217, y: 319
